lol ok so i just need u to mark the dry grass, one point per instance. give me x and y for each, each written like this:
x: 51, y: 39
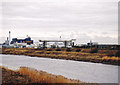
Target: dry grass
x: 43, y: 77
x: 9, y: 76
x: 110, y: 58
x: 89, y: 55
x: 28, y: 76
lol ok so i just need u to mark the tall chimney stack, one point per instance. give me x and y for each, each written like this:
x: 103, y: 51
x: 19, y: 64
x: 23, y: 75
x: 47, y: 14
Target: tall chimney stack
x: 9, y: 37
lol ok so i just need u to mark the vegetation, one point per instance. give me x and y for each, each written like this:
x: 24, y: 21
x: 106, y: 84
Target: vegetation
x: 68, y: 49
x: 25, y: 75
x: 79, y: 54
x: 49, y: 49
x: 58, y: 49
x: 43, y: 77
x: 78, y: 50
x: 117, y: 54
x: 94, y: 50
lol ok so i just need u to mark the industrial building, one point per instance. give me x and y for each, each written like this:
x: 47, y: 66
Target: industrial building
x: 101, y: 46
x: 21, y: 43
x: 26, y: 40
x: 108, y: 46
x: 66, y: 43
x: 18, y: 43
x: 29, y: 43
x: 7, y: 42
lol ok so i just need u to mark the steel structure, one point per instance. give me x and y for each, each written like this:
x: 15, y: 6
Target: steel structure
x: 64, y: 41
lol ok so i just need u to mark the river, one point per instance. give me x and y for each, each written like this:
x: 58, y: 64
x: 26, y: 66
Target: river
x: 84, y: 71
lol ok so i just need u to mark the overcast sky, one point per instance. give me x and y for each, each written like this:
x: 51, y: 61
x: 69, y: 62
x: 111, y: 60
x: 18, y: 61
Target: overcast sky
x: 83, y: 20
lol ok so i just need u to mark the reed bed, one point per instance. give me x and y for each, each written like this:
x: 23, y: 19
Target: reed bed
x: 89, y: 55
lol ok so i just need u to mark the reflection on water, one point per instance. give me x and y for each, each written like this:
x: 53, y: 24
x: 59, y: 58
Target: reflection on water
x: 85, y: 71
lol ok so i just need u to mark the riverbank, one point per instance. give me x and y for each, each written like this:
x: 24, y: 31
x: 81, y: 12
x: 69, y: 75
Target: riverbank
x: 84, y: 71
x: 25, y: 75
x: 77, y: 54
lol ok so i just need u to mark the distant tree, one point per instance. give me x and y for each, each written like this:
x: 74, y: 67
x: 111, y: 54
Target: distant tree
x: 58, y: 49
x: 117, y: 54
x: 94, y: 50
x: 68, y: 49
x: 78, y: 50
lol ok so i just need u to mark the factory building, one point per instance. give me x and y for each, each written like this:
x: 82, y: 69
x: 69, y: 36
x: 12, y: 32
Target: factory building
x: 27, y: 40
x: 57, y: 43
x: 7, y: 42
x: 21, y: 43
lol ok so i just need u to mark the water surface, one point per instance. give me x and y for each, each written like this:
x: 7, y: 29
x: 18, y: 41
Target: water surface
x: 84, y: 71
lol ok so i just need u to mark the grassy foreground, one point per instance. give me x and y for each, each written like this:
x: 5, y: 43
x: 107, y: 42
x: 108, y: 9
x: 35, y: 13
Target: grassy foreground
x: 31, y: 76
x: 78, y: 54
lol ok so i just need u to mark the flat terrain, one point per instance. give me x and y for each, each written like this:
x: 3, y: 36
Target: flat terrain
x: 30, y: 76
x: 27, y: 75
x: 77, y: 54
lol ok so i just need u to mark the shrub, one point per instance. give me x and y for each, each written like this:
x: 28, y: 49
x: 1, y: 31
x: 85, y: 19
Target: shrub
x: 58, y: 49
x: 39, y: 49
x: 68, y: 49
x: 113, y: 53
x: 78, y: 50
x: 85, y: 50
x: 94, y: 50
x: 49, y: 49
x: 117, y: 54
x: 110, y: 54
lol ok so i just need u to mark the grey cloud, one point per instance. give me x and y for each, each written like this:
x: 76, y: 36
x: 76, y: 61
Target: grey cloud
x: 68, y: 15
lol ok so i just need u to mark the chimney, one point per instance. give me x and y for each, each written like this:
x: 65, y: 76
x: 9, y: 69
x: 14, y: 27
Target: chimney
x: 9, y: 37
